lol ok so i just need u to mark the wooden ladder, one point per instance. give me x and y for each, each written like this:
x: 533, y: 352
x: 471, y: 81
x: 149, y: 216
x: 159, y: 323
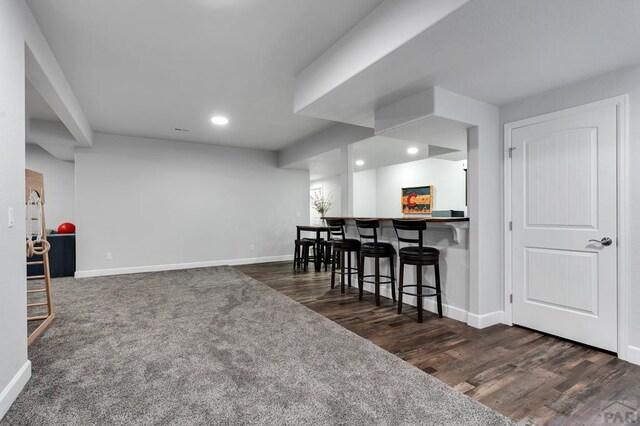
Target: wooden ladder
x: 39, y: 304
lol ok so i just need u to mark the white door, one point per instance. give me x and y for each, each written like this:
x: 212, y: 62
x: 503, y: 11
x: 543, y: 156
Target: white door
x: 564, y: 211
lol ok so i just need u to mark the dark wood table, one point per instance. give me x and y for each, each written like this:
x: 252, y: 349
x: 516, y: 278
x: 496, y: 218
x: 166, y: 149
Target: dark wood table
x: 318, y: 230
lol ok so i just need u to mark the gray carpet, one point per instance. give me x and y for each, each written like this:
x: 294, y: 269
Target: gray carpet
x: 214, y: 346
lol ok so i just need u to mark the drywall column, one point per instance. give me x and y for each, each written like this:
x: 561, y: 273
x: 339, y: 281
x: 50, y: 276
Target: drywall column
x: 486, y: 294
x: 486, y: 278
x: 15, y: 369
x: 346, y: 180
x: 22, y: 44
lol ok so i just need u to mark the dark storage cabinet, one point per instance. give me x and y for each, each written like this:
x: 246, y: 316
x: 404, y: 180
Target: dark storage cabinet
x: 62, y: 257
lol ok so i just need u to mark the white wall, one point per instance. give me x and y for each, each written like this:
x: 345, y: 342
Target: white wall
x: 365, y: 190
x: 20, y: 39
x: 13, y: 314
x: 448, y: 178
x: 617, y: 83
x: 59, y: 183
x: 331, y: 185
x: 155, y: 204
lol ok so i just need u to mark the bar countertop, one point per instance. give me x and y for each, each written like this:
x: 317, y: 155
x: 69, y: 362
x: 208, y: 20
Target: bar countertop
x: 428, y: 218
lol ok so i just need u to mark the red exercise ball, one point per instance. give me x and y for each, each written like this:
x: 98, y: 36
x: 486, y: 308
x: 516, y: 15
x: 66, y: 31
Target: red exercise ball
x: 67, y: 228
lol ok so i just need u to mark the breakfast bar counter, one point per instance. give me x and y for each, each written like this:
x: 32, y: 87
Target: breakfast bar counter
x: 454, y: 224
x: 450, y: 235
x: 427, y: 218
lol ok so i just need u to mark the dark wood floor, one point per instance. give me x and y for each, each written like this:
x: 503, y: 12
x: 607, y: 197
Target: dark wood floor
x: 527, y: 376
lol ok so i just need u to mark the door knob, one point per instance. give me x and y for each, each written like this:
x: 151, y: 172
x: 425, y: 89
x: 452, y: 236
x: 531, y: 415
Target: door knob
x: 606, y: 241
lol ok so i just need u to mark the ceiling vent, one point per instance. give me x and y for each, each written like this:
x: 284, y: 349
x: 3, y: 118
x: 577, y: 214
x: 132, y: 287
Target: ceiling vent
x: 180, y: 129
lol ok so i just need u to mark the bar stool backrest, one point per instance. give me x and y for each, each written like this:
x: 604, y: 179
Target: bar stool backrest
x: 368, y: 229
x: 410, y: 231
x: 336, y: 228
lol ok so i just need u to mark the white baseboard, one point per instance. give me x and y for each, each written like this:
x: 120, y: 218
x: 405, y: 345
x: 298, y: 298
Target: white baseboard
x: 633, y: 355
x: 14, y: 387
x: 485, y: 320
x: 430, y: 304
x: 447, y: 310
x: 172, y: 267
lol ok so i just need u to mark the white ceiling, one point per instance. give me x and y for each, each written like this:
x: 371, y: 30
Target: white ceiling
x: 44, y: 127
x: 432, y: 130
x: 434, y: 137
x: 380, y: 151
x: 321, y: 166
x: 497, y: 51
x: 144, y: 67
x: 36, y: 107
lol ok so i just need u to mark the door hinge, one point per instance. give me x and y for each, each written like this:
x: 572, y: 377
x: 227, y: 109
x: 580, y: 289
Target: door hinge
x: 510, y: 226
x: 511, y: 298
x: 511, y: 149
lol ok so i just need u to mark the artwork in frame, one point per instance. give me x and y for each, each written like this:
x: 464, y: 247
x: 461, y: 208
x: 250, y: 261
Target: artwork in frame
x: 417, y: 199
x: 315, y: 192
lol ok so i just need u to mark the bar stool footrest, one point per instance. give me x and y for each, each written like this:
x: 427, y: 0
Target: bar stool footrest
x: 421, y: 295
x: 387, y: 281
x: 347, y: 271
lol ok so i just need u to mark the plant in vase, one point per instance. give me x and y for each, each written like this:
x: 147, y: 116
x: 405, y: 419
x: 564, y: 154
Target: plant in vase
x: 322, y: 204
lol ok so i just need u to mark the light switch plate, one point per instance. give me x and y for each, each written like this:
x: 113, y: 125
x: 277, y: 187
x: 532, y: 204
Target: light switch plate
x: 12, y: 220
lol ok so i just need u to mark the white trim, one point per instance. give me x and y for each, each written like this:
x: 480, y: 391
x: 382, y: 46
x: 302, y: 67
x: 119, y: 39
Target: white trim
x: 430, y: 304
x: 625, y: 352
x: 486, y: 320
x: 14, y: 387
x: 175, y: 266
x: 508, y: 250
x: 633, y: 354
x: 448, y: 311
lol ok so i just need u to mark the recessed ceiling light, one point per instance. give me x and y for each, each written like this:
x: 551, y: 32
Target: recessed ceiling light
x: 359, y: 162
x: 219, y: 120
x: 412, y: 150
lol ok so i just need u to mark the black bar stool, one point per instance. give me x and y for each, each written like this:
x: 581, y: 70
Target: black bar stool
x: 418, y: 256
x: 301, y: 257
x: 368, y: 230
x: 342, y: 248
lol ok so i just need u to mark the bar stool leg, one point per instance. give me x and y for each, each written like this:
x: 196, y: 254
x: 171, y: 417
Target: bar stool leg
x: 327, y: 255
x: 296, y: 254
x: 419, y: 292
x: 439, y: 296
x: 333, y: 271
x: 377, y: 272
x: 392, y: 273
x: 361, y: 276
x: 400, y: 284
x: 305, y: 257
x: 342, y: 265
x: 349, y: 267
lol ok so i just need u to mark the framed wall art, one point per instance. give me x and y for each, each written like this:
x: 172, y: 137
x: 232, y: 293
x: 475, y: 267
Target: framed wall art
x: 417, y: 199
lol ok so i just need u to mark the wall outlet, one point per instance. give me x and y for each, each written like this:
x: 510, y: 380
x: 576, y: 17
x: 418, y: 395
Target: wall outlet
x: 108, y: 256
x: 12, y: 220
x: 252, y: 247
